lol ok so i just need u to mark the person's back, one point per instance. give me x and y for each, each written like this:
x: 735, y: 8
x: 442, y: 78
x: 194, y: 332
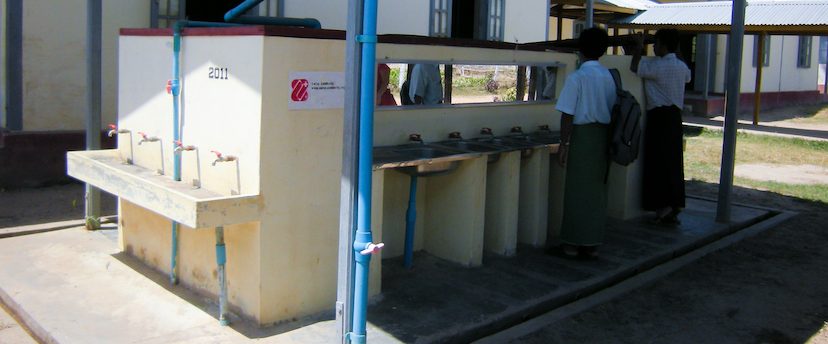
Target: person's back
x: 426, y: 86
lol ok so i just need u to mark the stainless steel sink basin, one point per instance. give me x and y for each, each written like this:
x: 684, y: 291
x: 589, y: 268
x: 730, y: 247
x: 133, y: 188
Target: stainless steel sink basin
x: 420, y: 160
x: 492, y: 150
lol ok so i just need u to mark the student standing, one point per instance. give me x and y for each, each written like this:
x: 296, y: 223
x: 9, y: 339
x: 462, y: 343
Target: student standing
x: 664, y: 78
x: 585, y: 104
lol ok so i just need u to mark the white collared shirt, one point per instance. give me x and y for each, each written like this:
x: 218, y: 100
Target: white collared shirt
x: 426, y: 83
x: 588, y: 94
x: 664, y: 79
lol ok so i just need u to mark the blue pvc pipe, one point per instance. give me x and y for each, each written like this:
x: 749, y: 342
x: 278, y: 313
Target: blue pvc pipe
x: 410, y: 221
x: 366, y: 145
x: 175, y: 90
x: 240, y: 9
x: 304, y: 22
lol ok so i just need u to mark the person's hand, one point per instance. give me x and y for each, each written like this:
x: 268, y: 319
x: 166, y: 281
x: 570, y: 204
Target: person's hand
x: 563, y: 152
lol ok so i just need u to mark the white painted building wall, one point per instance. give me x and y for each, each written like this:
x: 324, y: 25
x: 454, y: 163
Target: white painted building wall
x: 526, y: 21
x: 781, y: 75
x: 54, y: 63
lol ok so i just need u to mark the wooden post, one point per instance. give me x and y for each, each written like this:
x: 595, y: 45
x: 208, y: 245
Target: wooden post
x: 521, y: 83
x: 560, y: 20
x: 757, y: 91
x: 615, y: 47
x: 448, y: 74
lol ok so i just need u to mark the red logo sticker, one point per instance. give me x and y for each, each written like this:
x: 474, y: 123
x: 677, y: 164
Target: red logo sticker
x: 300, y: 90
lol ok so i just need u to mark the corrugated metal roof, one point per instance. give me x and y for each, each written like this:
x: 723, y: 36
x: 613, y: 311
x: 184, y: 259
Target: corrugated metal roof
x: 757, y: 13
x: 633, y: 4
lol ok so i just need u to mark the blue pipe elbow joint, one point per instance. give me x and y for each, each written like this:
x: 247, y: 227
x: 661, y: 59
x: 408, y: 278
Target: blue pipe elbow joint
x: 221, y: 254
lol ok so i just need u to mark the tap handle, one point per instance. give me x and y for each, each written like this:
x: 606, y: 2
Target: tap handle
x: 455, y: 135
x: 543, y: 127
x: 112, y: 126
x: 143, y: 135
x: 517, y: 129
x: 371, y: 248
x: 486, y: 131
x: 217, y: 153
x: 415, y: 137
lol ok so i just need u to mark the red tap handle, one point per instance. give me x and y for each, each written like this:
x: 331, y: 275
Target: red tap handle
x: 217, y: 153
x: 177, y: 143
x: 112, y: 126
x: 168, y: 88
x: 143, y: 134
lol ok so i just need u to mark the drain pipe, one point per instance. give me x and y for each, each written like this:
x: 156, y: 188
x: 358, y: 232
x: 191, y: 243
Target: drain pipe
x: 410, y: 220
x: 221, y: 260
x: 363, y: 245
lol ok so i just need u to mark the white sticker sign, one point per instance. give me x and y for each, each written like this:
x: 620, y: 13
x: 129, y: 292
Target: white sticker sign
x: 316, y: 90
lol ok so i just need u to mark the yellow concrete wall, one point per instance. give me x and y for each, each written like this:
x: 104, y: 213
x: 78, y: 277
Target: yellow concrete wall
x: 54, y: 63
x: 301, y: 169
x: 147, y: 236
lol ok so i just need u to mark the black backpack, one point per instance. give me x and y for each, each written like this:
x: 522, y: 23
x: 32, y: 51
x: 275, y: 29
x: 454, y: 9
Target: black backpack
x: 625, y: 129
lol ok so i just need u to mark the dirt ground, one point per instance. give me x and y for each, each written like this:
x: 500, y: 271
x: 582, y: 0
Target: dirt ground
x: 766, y: 289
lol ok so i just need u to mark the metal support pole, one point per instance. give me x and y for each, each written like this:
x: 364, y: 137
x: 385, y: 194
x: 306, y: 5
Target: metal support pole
x: 757, y: 90
x: 93, y: 103
x: 734, y: 67
x: 14, y: 64
x: 559, y: 9
x: 348, y: 180
x: 221, y: 261
x: 589, y: 14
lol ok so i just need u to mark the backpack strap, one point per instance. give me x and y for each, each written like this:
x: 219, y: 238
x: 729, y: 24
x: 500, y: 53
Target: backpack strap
x: 616, y: 76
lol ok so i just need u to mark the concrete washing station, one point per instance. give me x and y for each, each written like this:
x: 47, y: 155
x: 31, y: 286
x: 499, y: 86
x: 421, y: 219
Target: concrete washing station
x: 267, y: 170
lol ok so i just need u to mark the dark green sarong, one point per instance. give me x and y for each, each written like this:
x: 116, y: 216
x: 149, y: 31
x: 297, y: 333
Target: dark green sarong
x: 585, y: 193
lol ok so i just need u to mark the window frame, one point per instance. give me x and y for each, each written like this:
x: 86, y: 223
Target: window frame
x: 496, y: 20
x: 439, y: 15
x: 804, y: 52
x: 766, y: 52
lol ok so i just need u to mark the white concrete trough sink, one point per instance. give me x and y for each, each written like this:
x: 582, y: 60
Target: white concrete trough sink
x: 178, y: 201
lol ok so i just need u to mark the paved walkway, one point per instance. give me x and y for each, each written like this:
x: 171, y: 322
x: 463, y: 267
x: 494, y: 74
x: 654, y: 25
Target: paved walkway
x: 74, y: 286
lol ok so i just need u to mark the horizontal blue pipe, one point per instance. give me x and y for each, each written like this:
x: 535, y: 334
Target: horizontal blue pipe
x: 303, y: 22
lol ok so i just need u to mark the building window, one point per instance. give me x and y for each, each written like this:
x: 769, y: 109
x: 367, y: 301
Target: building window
x: 495, y: 21
x: 440, y: 21
x: 803, y: 56
x: 765, y: 53
x: 164, y: 13
x: 577, y: 28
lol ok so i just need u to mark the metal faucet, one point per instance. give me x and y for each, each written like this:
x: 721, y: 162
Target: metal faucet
x: 222, y: 158
x: 416, y: 138
x: 487, y: 131
x: 544, y: 128
x: 455, y: 135
x: 145, y: 138
x: 113, y: 129
x: 517, y: 130
x: 179, y: 147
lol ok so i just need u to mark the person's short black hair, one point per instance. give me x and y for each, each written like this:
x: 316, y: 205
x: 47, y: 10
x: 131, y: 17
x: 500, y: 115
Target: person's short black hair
x: 669, y: 38
x: 593, y: 42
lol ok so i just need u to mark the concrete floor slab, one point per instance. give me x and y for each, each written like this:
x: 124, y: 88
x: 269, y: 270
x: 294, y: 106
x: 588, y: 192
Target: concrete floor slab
x: 74, y: 286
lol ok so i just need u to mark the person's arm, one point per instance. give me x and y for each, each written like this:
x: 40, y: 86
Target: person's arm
x: 566, y: 135
x: 638, y: 46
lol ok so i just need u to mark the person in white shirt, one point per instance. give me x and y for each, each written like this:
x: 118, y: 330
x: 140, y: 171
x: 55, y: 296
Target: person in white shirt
x: 585, y: 104
x: 426, y: 86
x: 663, y: 166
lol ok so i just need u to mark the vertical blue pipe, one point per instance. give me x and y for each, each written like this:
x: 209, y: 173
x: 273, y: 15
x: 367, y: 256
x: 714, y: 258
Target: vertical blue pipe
x: 221, y: 260
x: 175, y: 90
x: 366, y: 144
x: 410, y: 221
